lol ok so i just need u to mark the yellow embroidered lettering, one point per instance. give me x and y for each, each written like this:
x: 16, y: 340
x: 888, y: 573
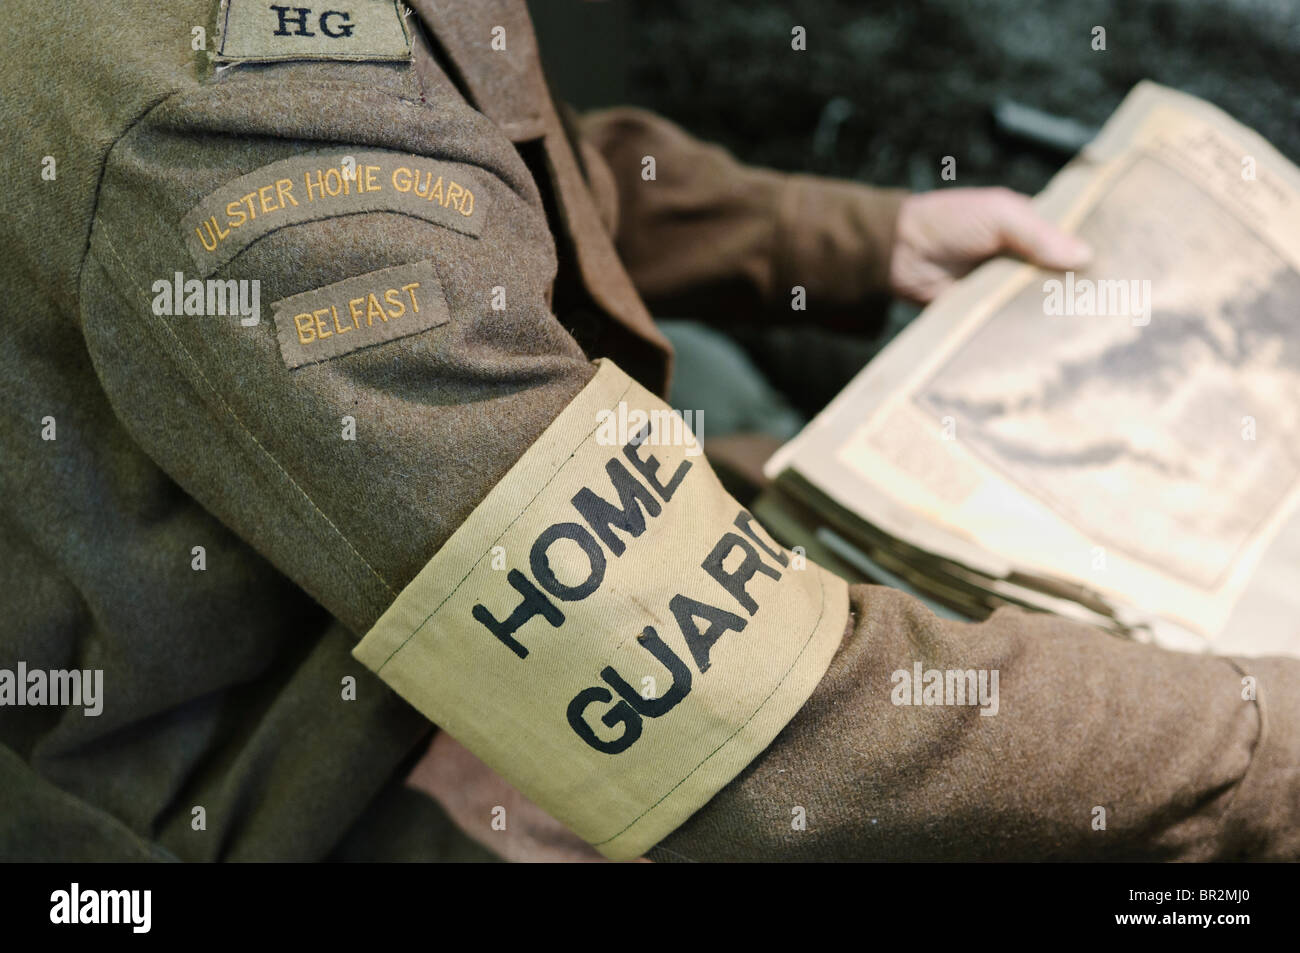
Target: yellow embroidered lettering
x: 201, y: 230
x: 283, y: 188
x: 239, y: 213
x: 395, y: 300
x: 320, y: 186
x: 233, y: 209
x: 261, y: 198
x: 410, y: 289
x: 321, y: 332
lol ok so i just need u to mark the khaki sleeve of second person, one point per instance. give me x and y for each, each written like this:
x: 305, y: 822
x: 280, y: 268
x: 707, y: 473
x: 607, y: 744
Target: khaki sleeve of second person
x: 705, y: 236
x: 1070, y: 744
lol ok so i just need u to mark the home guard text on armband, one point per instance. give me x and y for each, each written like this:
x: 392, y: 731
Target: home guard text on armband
x: 609, y: 629
x: 315, y: 186
x: 700, y: 621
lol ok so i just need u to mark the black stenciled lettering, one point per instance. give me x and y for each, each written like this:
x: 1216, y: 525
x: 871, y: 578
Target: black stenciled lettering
x: 700, y: 641
x: 602, y: 516
x: 534, y: 603
x: 681, y: 675
x: 345, y: 29
x: 745, y: 523
x: 621, y: 713
x: 540, y: 562
x: 734, y: 582
x: 285, y: 20
x: 649, y: 467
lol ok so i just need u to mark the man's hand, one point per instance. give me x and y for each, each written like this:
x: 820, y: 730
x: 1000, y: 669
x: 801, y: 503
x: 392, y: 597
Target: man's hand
x: 942, y: 235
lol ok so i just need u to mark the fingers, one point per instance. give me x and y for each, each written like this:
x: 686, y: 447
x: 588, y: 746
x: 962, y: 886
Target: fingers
x: 931, y: 289
x: 1026, y: 233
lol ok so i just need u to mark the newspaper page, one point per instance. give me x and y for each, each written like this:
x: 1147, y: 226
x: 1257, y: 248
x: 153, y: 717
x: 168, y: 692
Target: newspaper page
x: 1133, y: 428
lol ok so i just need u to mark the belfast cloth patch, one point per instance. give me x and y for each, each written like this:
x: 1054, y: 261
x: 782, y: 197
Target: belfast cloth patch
x: 255, y: 31
x: 358, y: 312
x: 323, y: 185
x: 609, y: 630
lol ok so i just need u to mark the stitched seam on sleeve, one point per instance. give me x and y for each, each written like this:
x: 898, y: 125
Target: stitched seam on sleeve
x: 197, y: 369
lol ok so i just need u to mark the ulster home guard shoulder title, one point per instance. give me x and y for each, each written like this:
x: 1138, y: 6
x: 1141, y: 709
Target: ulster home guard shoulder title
x: 255, y: 31
x: 609, y: 630
x: 321, y: 185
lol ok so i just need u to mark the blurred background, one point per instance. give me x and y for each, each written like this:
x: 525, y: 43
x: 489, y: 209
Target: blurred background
x: 886, y: 89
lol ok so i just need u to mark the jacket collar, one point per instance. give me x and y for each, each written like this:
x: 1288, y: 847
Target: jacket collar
x: 506, y: 85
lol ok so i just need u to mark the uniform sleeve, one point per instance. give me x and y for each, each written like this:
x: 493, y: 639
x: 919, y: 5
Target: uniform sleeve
x: 704, y: 236
x: 1087, y: 747
x: 530, y: 546
x: 348, y: 432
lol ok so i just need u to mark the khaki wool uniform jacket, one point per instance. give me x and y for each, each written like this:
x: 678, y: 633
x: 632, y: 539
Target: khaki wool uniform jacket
x: 224, y: 675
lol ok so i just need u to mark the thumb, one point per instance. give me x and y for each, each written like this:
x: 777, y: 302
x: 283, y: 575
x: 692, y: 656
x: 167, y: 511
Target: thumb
x: 1035, y: 239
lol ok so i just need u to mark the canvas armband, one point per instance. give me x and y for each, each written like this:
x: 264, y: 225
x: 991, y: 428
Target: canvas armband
x: 610, y: 630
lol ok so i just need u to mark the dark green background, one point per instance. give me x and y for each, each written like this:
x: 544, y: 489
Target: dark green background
x: 920, y: 75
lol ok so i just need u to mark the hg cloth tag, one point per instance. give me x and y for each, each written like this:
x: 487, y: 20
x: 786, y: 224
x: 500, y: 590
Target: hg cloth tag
x: 255, y: 31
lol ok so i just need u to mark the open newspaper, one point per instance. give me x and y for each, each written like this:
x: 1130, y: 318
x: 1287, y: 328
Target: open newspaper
x: 1119, y: 445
